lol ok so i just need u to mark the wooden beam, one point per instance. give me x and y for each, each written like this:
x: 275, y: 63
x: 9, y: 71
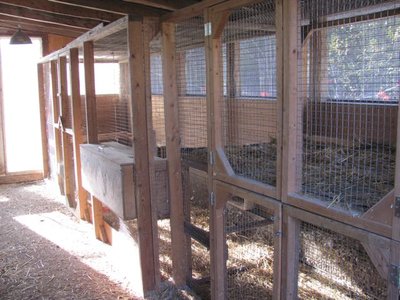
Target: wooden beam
x: 165, y: 4
x: 62, y: 9
x: 3, y: 167
x: 77, y: 130
x: 66, y: 149
x: 42, y: 109
x: 11, y: 24
x: 25, y: 13
x: 140, y: 129
x: 177, y: 217
x: 18, y: 177
x: 56, y: 115
x: 114, y: 6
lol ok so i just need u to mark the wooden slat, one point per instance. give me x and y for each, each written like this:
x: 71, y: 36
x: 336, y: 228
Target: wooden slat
x: 114, y: 6
x: 25, y: 13
x: 56, y: 115
x: 62, y: 9
x: 21, y: 177
x: 77, y: 129
x: 3, y: 166
x: 180, y: 264
x: 66, y: 150
x: 137, y: 88
x: 164, y: 4
x: 42, y: 110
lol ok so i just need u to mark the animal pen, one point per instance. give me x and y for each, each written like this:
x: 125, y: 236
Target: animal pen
x: 249, y: 147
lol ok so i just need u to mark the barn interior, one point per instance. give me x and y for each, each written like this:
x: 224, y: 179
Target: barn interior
x: 223, y: 149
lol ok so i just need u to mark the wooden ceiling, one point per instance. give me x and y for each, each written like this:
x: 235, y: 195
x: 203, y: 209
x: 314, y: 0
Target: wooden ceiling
x: 74, y: 17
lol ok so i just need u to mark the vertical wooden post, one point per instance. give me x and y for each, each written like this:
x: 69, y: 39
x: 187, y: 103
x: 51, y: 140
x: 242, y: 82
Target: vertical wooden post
x: 178, y: 236
x: 290, y: 256
x: 42, y: 110
x: 56, y: 115
x: 137, y: 81
x: 66, y: 151
x: 3, y: 167
x: 290, y: 137
x: 77, y: 130
x: 91, y: 131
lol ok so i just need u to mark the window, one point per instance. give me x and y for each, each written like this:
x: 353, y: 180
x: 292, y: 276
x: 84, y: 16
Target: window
x: 195, y: 71
x: 363, y: 62
x: 156, y: 74
x: 258, y: 67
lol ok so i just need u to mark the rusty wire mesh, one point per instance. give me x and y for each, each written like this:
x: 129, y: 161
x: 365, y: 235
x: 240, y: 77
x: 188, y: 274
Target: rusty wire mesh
x: 349, y: 81
x: 333, y: 266
x: 249, y: 100
x: 250, y: 245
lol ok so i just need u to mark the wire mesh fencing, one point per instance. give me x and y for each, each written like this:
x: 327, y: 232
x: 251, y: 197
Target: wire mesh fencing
x: 348, y: 87
x: 249, y: 100
x: 333, y: 266
x: 250, y: 246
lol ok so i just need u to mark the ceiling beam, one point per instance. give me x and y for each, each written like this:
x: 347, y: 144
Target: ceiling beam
x: 25, y: 13
x: 11, y: 22
x: 165, y: 4
x: 115, y: 6
x: 58, y: 8
x: 36, y: 29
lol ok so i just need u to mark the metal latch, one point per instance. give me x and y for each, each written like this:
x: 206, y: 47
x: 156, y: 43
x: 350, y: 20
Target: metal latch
x: 394, y: 275
x: 207, y: 29
x: 212, y: 199
x: 397, y: 207
x: 211, y: 158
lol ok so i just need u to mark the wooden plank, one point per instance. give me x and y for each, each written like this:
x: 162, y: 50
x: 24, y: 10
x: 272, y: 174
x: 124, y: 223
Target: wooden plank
x: 66, y: 149
x: 381, y: 212
x: 315, y: 206
x: 90, y: 93
x: 98, y: 221
x: 165, y: 4
x: 3, y: 166
x: 178, y: 237
x: 62, y: 9
x: 25, y: 13
x: 190, y: 11
x: 56, y: 115
x: 18, y: 177
x: 290, y: 158
x: 290, y: 256
x: 230, y: 5
x: 42, y: 110
x: 140, y: 129
x: 77, y: 129
x: 114, y: 6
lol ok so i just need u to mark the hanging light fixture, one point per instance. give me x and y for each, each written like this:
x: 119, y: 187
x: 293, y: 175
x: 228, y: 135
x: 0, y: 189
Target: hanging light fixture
x: 20, y: 38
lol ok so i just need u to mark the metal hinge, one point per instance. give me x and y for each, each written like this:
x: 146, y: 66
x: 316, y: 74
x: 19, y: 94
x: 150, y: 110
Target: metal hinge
x: 211, y: 158
x: 212, y: 199
x: 397, y: 207
x: 394, y: 275
x: 207, y: 29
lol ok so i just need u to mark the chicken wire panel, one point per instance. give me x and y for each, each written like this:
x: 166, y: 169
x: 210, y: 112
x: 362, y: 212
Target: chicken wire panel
x: 333, y: 266
x: 191, y: 83
x: 250, y: 244
x: 348, y: 87
x: 112, y: 89
x: 249, y: 100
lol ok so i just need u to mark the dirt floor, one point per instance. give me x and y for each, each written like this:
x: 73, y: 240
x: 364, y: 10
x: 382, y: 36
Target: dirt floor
x: 46, y: 253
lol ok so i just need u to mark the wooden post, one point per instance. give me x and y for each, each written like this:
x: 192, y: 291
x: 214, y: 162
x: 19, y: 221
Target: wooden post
x: 42, y: 100
x: 290, y: 158
x: 77, y: 130
x: 3, y: 167
x: 91, y: 131
x: 56, y: 115
x: 137, y: 81
x: 177, y: 217
x: 290, y: 256
x: 66, y: 150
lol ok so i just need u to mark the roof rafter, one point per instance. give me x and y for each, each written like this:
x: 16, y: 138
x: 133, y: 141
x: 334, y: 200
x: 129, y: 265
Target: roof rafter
x: 165, y: 4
